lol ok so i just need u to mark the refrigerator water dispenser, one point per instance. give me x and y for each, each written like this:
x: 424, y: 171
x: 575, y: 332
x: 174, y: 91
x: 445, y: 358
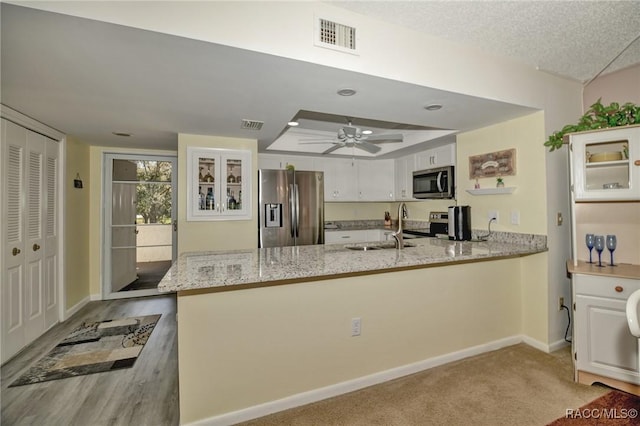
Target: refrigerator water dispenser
x: 273, y: 215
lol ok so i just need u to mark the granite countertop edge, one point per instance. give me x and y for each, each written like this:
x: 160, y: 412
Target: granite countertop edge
x: 242, y: 269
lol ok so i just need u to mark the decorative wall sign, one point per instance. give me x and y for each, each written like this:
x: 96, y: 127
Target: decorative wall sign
x: 494, y: 164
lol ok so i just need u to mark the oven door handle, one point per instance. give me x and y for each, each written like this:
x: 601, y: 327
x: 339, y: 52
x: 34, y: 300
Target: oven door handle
x: 439, y: 182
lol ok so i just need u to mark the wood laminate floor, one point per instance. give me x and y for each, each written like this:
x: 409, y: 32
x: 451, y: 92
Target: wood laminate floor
x: 146, y: 394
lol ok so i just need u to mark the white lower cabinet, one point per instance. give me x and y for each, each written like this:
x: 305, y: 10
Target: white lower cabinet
x: 603, y: 344
x: 356, y: 236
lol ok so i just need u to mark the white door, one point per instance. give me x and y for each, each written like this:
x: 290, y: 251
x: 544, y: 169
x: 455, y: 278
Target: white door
x: 34, y: 309
x: 14, y: 146
x: 29, y: 236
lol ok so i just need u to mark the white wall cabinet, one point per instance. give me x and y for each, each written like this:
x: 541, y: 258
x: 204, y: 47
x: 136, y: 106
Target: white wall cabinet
x: 436, y: 157
x: 602, y: 341
x: 404, y: 168
x: 219, y: 184
x: 375, y: 180
x: 601, y: 170
x: 351, y: 180
x: 280, y: 162
x: 340, y: 179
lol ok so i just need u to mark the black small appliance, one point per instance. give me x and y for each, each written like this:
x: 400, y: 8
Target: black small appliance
x: 460, y: 223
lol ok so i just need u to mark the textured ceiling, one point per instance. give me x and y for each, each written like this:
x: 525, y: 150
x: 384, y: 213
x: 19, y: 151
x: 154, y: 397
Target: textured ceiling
x: 574, y: 39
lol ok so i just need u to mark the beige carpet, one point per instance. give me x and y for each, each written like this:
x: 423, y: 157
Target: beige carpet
x: 517, y: 385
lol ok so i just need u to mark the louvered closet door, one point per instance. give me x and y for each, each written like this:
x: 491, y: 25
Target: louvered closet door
x: 29, y: 274
x: 50, y: 282
x: 14, y: 142
x: 34, y: 309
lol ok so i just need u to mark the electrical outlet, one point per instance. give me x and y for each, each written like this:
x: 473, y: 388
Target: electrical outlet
x: 355, y: 327
x: 493, y: 214
x: 515, y: 217
x: 561, y: 304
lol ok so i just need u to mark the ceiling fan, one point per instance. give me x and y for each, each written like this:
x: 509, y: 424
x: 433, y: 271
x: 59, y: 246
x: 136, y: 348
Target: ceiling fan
x: 354, y: 136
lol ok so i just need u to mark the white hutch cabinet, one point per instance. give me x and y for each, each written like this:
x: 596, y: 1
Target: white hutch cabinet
x: 605, y: 181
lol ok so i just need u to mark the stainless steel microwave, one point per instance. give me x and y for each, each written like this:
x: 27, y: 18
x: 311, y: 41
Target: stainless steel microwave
x: 438, y: 183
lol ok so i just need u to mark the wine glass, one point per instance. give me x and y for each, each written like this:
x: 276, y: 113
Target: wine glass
x: 599, y: 245
x: 590, y: 242
x: 611, y: 245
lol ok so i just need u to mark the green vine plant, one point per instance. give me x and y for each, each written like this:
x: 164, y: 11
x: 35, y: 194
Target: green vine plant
x: 598, y: 117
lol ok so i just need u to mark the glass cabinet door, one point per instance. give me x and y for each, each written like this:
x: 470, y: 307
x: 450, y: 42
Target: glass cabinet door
x: 219, y: 184
x: 603, y: 166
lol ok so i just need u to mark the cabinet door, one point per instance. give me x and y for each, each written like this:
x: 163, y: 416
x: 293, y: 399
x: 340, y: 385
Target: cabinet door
x: 403, y: 172
x: 270, y: 162
x: 375, y: 180
x: 436, y: 157
x: 340, y: 180
x: 345, y: 237
x: 604, y: 344
x: 603, y: 165
x: 218, y: 184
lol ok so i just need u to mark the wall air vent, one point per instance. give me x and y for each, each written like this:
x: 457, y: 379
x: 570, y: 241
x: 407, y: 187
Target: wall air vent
x: 251, y: 124
x: 333, y: 35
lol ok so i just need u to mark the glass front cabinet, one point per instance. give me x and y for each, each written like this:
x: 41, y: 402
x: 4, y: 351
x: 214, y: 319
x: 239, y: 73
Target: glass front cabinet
x: 218, y: 184
x: 606, y: 164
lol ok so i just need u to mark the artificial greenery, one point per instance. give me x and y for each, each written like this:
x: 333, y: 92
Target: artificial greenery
x: 598, y: 117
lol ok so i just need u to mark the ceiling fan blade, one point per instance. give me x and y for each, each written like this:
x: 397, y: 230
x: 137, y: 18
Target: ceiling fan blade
x: 369, y: 147
x: 333, y: 148
x: 398, y: 137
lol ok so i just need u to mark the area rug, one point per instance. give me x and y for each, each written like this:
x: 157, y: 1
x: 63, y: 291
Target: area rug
x: 614, y: 408
x: 93, y: 347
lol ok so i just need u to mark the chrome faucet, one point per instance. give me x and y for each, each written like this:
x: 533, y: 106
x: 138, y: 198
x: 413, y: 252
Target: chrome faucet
x: 402, y: 214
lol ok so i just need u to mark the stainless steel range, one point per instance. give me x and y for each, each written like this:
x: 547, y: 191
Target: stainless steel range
x: 438, y: 225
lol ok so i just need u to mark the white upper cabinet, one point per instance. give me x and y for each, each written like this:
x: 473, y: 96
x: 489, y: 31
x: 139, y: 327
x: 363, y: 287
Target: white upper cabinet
x: 218, y: 184
x: 436, y: 157
x: 275, y: 161
x: 606, y: 164
x: 340, y: 179
x: 375, y: 180
x: 404, y: 168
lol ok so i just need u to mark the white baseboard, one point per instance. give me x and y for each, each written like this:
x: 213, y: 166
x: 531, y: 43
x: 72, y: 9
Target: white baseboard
x: 558, y: 345
x: 319, y: 394
x: 75, y: 308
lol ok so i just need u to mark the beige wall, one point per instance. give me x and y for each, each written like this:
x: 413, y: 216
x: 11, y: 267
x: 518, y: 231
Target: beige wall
x: 77, y: 223
x: 526, y: 135
x: 264, y: 344
x: 215, y: 235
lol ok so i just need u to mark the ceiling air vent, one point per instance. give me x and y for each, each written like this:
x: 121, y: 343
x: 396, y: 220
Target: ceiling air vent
x: 251, y: 124
x: 334, y: 35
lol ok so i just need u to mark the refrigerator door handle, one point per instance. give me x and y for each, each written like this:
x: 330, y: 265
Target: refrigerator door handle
x: 297, y: 210
x: 293, y: 211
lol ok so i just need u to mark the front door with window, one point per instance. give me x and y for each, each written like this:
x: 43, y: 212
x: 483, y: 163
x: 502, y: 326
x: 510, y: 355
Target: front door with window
x: 140, y: 231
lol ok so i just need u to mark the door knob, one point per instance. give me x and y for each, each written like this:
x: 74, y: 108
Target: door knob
x: 36, y: 247
x: 15, y: 251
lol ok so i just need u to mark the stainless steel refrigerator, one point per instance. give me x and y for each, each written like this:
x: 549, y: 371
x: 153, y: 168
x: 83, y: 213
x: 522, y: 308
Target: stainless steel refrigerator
x: 291, y: 208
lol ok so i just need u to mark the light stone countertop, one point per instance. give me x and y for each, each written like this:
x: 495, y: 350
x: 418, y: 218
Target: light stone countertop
x: 241, y: 269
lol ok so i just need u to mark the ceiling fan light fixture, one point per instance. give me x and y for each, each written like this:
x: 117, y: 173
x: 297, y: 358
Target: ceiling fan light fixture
x: 347, y: 92
x: 367, y: 132
x: 433, y: 107
x: 293, y: 124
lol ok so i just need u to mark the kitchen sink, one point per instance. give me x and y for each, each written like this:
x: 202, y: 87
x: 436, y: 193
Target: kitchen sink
x: 375, y: 246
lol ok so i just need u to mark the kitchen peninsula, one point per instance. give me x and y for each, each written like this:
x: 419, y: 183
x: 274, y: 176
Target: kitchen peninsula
x: 263, y: 330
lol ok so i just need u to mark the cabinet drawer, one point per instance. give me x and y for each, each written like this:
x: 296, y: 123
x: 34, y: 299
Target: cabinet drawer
x: 611, y: 287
